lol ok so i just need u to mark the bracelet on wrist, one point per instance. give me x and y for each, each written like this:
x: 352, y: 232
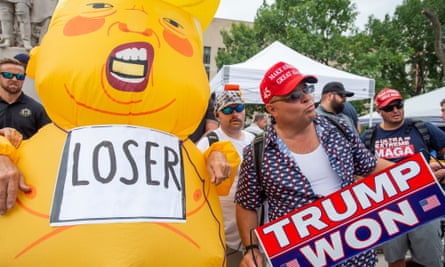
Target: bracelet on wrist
x: 250, y: 247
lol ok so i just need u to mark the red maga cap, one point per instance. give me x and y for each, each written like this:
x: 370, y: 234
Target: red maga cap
x: 386, y: 96
x: 281, y: 79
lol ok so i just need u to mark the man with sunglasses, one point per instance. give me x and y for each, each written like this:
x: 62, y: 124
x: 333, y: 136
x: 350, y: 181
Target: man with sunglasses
x: 230, y: 111
x: 18, y: 110
x: 394, y: 139
x: 332, y: 103
x: 300, y: 161
x: 22, y: 113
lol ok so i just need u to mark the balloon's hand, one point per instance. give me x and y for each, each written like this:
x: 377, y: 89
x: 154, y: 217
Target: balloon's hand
x: 14, y: 136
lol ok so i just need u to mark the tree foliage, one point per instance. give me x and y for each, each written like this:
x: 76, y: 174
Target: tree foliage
x: 316, y: 28
x: 397, y: 51
x: 240, y: 44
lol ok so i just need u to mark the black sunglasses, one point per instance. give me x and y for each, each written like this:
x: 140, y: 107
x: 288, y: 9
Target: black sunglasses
x: 229, y: 110
x: 390, y: 108
x: 10, y: 75
x: 295, y: 95
x: 340, y: 94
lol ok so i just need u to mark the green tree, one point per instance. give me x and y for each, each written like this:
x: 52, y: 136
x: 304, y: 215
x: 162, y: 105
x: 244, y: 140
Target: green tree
x: 397, y: 51
x: 437, y: 28
x: 373, y: 54
x: 240, y: 44
x: 317, y: 29
x: 418, y: 42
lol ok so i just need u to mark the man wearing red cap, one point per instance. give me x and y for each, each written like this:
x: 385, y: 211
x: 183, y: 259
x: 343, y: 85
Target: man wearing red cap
x: 394, y: 139
x: 288, y: 178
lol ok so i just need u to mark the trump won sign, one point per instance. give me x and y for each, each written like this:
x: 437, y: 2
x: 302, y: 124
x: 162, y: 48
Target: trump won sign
x: 355, y: 218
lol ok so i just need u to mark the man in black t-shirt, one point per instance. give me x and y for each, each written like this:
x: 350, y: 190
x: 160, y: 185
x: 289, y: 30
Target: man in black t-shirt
x: 208, y: 122
x: 18, y: 110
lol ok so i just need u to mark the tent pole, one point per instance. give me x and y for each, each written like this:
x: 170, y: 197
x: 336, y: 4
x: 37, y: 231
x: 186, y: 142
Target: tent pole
x: 371, y: 109
x: 371, y: 104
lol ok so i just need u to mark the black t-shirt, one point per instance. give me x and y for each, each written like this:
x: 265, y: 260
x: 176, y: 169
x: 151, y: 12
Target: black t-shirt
x: 209, y: 115
x: 25, y: 115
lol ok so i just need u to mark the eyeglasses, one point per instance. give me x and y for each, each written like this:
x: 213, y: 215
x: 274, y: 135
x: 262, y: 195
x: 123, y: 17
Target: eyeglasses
x: 295, y: 95
x: 10, y: 75
x: 391, y: 107
x: 340, y: 94
x: 229, y: 110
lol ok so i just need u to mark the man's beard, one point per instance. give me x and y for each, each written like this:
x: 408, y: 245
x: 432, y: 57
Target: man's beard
x: 338, y: 107
x: 12, y: 90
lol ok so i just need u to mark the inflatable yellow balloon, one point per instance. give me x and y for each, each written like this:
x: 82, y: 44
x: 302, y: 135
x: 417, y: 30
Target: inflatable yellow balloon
x: 118, y: 63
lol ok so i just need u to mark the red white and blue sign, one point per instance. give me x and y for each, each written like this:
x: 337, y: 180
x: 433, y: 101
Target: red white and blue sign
x: 355, y: 218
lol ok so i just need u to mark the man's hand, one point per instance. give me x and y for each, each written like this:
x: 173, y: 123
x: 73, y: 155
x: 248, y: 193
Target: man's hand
x: 439, y: 171
x: 10, y: 181
x: 218, y: 166
x: 253, y: 258
x: 14, y: 136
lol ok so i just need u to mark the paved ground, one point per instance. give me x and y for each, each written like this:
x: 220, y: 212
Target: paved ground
x: 382, y: 262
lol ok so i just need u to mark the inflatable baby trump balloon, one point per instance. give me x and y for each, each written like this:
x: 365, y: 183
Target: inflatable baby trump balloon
x: 115, y: 180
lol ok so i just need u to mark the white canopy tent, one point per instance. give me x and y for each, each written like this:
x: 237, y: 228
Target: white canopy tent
x: 249, y: 74
x: 423, y: 107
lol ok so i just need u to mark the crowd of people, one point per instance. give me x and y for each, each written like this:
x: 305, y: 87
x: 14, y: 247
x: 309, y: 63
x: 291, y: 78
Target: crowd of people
x: 299, y: 134
x: 297, y: 137
x: 295, y: 133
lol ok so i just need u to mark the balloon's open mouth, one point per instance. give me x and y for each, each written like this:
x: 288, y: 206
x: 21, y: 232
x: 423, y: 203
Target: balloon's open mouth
x: 129, y: 66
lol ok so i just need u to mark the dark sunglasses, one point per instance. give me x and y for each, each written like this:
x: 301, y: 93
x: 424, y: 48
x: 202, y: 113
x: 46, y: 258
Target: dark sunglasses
x: 390, y: 108
x: 295, y: 95
x: 229, y: 110
x: 10, y: 75
x: 340, y: 95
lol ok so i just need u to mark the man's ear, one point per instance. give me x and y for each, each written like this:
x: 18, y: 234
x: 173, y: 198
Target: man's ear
x: 216, y: 114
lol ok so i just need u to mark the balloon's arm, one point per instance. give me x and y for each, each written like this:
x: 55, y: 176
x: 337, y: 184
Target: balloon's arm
x: 7, y: 149
x: 222, y: 161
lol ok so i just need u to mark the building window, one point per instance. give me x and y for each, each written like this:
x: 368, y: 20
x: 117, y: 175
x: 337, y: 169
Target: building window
x: 207, y: 50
